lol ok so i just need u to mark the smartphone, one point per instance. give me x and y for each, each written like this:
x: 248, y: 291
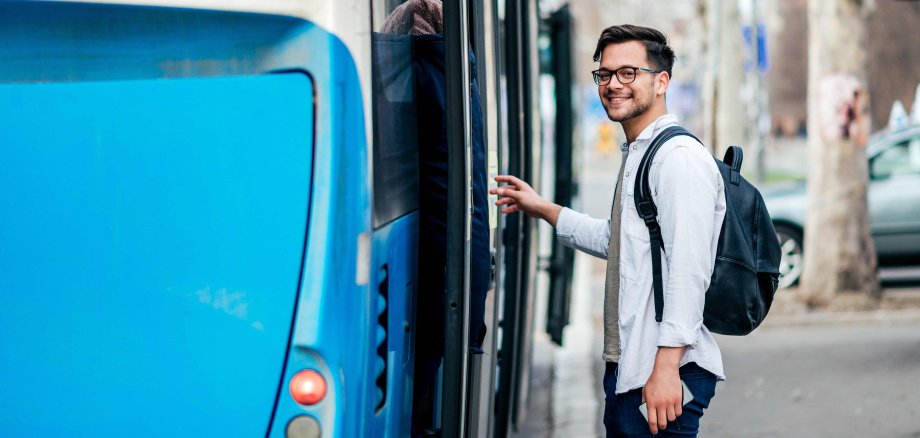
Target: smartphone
x: 688, y: 397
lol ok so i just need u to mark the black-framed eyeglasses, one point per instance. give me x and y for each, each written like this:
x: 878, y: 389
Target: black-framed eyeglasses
x: 626, y: 75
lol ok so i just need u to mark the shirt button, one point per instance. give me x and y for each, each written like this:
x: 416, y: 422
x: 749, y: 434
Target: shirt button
x: 627, y: 173
x: 635, y: 147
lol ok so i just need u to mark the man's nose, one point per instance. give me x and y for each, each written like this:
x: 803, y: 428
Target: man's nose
x: 614, y: 84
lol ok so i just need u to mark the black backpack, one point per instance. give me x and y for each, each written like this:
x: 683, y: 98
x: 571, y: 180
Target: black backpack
x: 746, y: 270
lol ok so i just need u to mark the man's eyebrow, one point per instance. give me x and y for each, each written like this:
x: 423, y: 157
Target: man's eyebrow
x: 615, y: 69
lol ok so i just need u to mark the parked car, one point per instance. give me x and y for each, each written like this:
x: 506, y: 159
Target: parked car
x: 894, y: 205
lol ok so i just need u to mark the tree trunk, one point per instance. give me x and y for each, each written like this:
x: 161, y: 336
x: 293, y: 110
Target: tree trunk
x: 729, y: 111
x: 708, y: 15
x: 839, y: 253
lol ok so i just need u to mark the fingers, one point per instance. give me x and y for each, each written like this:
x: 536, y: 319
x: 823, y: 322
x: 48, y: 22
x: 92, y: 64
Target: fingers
x: 512, y: 209
x: 509, y: 194
x: 517, y: 196
x: 510, y: 199
x: 510, y: 179
x: 660, y: 413
x: 508, y: 191
x: 662, y: 418
x: 659, y: 417
x: 512, y: 206
x: 513, y: 181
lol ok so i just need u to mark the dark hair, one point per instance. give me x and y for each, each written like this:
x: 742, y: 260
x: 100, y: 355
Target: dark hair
x: 659, y: 54
x: 415, y: 17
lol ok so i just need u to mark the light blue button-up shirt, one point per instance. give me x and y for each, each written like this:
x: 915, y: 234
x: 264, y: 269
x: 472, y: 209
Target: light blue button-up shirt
x: 690, y: 196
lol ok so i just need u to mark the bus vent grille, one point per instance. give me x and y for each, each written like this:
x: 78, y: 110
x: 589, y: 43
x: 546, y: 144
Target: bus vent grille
x: 381, y: 364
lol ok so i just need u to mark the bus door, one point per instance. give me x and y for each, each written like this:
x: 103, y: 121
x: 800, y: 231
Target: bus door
x: 561, y: 261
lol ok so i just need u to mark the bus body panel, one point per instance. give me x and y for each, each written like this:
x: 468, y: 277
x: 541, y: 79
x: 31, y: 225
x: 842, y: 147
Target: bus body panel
x: 336, y: 303
x: 395, y: 262
x: 153, y: 234
x: 74, y: 42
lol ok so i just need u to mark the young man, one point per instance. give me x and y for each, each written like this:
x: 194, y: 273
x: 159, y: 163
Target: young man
x: 646, y: 360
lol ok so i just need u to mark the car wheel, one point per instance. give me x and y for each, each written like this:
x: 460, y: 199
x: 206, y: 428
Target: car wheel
x: 790, y: 265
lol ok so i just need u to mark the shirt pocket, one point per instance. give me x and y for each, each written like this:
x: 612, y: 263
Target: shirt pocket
x: 633, y: 225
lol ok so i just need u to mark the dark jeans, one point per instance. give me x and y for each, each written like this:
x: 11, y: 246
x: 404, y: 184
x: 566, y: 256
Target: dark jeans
x: 623, y: 419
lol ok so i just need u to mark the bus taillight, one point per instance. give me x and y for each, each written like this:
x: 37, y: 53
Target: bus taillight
x: 308, y: 387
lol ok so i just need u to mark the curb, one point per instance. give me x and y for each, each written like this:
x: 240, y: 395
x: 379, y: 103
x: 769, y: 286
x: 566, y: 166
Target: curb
x: 902, y: 316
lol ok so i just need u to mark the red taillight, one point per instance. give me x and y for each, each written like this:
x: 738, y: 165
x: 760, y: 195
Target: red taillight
x: 308, y: 387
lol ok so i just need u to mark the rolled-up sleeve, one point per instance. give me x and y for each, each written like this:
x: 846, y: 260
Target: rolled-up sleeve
x: 688, y: 193
x: 582, y: 232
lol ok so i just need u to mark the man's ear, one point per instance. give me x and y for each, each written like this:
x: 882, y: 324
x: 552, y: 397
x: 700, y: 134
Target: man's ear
x: 661, y: 85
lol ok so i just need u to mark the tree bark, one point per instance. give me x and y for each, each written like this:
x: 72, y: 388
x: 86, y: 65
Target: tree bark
x: 839, y: 254
x: 730, y: 116
x: 708, y: 14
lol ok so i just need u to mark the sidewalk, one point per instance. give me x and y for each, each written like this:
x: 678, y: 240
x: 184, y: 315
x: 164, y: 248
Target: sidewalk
x: 575, y: 403
x: 570, y: 402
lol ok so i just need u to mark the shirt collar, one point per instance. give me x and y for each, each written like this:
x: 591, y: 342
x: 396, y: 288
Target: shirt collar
x: 656, y: 127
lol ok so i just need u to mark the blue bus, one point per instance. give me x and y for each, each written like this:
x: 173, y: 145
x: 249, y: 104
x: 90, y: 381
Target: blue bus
x: 213, y: 217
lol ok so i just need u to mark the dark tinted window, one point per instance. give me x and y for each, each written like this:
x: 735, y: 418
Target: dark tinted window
x: 396, y: 118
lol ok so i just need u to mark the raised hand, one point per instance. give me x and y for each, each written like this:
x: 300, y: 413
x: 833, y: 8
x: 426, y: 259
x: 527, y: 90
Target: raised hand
x: 516, y: 195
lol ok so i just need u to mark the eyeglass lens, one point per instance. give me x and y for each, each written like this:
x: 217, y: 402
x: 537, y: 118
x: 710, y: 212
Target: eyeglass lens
x: 625, y: 75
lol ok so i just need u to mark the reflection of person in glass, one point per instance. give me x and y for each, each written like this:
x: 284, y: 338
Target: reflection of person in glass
x: 419, y: 24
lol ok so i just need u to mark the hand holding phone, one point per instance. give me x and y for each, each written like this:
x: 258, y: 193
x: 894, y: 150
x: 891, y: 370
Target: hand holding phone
x: 687, y: 398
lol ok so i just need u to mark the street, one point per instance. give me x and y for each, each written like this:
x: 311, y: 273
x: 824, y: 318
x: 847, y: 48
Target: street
x: 814, y: 381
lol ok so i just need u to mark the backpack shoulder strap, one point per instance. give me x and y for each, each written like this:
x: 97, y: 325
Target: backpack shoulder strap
x: 648, y: 211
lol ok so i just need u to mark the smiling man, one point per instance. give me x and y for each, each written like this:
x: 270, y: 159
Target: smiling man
x: 646, y: 360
